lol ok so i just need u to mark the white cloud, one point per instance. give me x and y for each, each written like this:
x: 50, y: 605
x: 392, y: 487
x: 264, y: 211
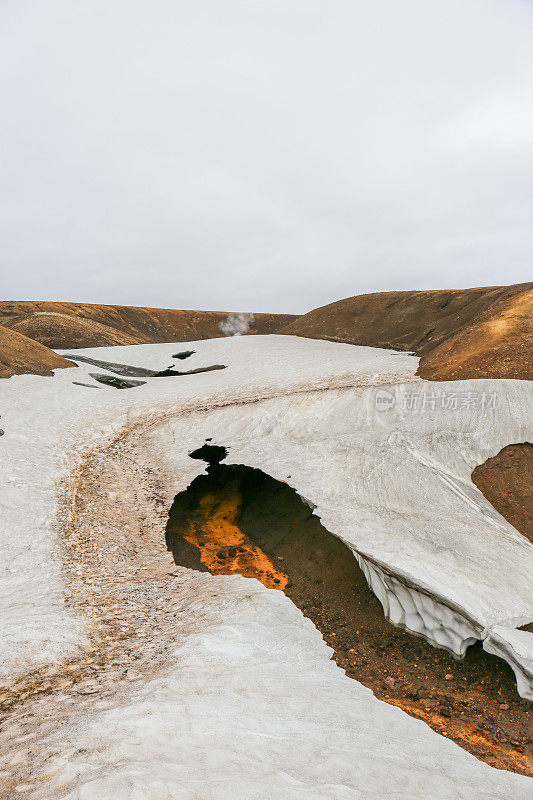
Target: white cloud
x: 499, y: 121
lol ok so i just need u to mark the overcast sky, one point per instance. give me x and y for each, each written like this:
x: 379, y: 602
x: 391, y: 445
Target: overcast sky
x: 266, y: 155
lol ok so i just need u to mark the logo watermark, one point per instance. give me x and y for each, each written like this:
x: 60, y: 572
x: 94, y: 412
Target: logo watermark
x: 423, y: 400
x: 384, y: 400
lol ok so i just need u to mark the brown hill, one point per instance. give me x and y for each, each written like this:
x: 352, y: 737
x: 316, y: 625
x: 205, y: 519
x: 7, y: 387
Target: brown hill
x: 458, y: 333
x: 65, y: 330
x: 87, y: 325
x: 19, y: 355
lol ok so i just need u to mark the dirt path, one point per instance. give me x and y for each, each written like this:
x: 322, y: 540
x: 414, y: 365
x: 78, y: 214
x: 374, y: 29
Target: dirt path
x: 122, y: 582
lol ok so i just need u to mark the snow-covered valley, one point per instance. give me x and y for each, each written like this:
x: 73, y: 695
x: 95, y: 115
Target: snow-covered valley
x: 195, y: 685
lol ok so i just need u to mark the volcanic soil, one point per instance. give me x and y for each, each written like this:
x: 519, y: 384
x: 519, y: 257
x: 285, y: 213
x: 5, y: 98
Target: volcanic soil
x: 507, y: 482
x: 18, y: 355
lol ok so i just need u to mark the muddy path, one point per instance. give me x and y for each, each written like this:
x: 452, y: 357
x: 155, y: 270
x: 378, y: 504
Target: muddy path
x: 121, y: 581
x: 239, y: 520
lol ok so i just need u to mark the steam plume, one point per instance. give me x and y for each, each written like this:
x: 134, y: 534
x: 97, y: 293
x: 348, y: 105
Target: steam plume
x: 236, y: 324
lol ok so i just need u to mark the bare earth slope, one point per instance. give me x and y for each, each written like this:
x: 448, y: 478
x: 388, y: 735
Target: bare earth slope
x: 506, y: 480
x: 484, y: 332
x: 18, y: 355
x: 52, y: 329
x: 88, y: 325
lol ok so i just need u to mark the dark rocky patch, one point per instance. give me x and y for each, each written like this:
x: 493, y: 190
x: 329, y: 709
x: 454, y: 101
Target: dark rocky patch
x: 117, y: 383
x: 142, y: 372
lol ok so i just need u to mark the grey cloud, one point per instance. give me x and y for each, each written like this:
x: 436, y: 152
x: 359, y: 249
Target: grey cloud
x: 263, y: 156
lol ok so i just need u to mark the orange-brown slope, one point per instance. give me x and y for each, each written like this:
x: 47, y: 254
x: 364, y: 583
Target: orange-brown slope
x: 497, y: 343
x: 142, y: 324
x: 458, y: 333
x: 54, y: 330
x: 19, y: 355
x: 506, y: 480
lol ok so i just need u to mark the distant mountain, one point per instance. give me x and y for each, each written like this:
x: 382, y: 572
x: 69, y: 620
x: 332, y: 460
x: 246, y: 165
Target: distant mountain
x: 485, y: 332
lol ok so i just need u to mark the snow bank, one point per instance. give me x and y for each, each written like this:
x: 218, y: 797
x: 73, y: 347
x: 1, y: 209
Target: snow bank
x: 249, y: 703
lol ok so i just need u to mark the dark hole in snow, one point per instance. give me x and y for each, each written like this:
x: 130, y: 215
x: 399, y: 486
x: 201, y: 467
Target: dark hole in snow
x: 528, y: 627
x: 88, y: 385
x: 213, y: 454
x: 184, y: 354
x: 139, y: 372
x: 117, y: 383
x: 239, y: 520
